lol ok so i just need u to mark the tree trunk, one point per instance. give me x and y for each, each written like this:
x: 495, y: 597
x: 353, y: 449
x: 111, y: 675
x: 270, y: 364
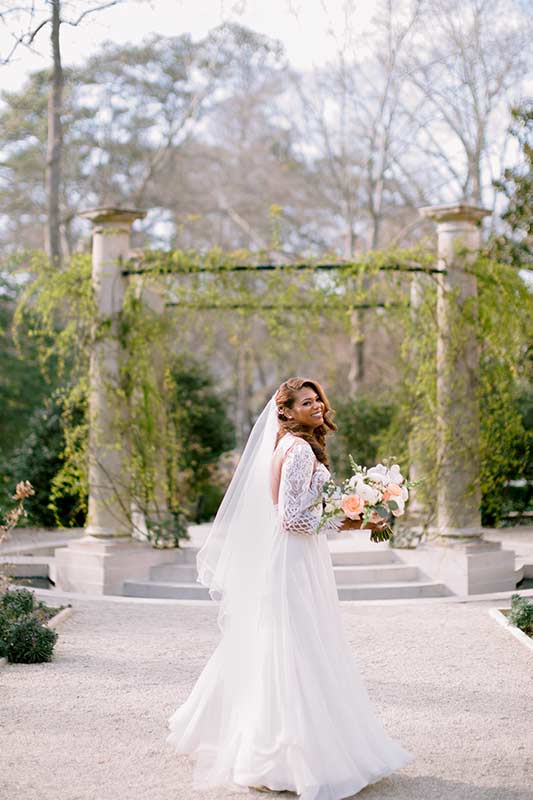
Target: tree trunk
x: 356, y: 369
x: 54, y: 144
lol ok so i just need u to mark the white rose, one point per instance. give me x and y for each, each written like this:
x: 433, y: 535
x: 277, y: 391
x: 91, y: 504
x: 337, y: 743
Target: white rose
x: 368, y: 493
x: 395, y: 476
x: 379, y: 474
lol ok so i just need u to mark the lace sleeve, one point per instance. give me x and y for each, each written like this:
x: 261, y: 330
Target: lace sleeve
x: 296, y: 494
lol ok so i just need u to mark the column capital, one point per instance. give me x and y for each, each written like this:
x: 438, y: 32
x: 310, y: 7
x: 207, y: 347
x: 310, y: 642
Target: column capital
x: 454, y: 212
x: 109, y: 215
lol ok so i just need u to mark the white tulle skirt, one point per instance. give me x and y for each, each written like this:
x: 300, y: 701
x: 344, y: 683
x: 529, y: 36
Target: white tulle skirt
x: 284, y: 705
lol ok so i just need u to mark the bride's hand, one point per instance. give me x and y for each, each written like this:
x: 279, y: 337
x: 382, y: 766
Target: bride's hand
x: 355, y: 524
x: 350, y: 524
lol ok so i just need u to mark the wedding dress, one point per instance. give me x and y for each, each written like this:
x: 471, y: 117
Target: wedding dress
x: 290, y: 711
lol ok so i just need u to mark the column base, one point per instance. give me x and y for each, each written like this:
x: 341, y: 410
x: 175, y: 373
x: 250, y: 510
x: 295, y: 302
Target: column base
x: 93, y: 565
x: 466, y: 563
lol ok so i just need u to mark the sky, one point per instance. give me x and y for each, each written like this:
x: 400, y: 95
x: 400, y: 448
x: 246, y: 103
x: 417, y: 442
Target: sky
x: 311, y: 30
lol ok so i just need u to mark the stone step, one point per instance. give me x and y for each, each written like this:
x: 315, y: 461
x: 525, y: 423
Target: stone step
x: 175, y: 573
x: 375, y: 554
x: 352, y: 573
x: 393, y: 591
x: 355, y: 557
x: 380, y: 573
x: 186, y: 555
x: 26, y: 566
x: 178, y: 591
x: 368, y: 591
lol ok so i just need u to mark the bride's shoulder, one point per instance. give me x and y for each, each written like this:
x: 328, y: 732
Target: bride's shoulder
x: 289, y: 442
x: 291, y: 438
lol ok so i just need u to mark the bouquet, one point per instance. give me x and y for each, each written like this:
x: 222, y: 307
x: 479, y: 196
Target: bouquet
x: 370, y: 495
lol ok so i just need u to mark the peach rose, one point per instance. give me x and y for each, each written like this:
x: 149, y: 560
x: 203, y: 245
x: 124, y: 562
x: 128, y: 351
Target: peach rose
x: 392, y: 490
x: 352, y: 505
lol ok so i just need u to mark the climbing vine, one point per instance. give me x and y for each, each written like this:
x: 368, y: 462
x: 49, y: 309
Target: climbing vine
x: 173, y: 293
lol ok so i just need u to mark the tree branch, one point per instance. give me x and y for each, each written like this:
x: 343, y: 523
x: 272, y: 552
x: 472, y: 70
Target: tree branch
x: 88, y: 11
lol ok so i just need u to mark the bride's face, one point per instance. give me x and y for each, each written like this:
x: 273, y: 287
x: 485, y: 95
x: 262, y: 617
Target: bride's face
x: 307, y: 409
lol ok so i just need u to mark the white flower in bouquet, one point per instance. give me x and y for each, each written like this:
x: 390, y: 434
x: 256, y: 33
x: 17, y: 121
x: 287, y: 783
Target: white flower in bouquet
x: 379, y: 474
x: 395, y: 497
x: 332, y: 503
x: 369, y: 494
x: 395, y: 476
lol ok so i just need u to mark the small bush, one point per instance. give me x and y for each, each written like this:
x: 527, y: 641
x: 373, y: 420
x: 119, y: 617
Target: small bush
x: 30, y: 642
x: 521, y: 614
x: 5, y: 630
x: 24, y: 637
x: 167, y: 530
x: 17, y: 603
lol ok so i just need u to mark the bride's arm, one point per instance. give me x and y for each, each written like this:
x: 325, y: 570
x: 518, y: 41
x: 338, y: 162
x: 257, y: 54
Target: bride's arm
x: 296, y: 475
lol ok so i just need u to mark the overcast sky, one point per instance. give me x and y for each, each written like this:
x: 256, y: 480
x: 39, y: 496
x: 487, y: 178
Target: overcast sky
x: 310, y: 29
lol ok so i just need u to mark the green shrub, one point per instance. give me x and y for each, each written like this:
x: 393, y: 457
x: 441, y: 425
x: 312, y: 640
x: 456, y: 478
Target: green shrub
x: 166, y: 529
x: 17, y: 603
x: 521, y: 614
x: 362, y: 421
x: 40, y: 456
x: 30, y: 642
x: 24, y: 638
x: 5, y: 629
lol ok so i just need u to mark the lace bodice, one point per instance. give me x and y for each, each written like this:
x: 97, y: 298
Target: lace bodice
x: 302, y: 479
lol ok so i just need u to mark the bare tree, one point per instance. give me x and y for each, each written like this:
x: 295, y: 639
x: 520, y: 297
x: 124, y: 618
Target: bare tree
x: 467, y: 74
x: 26, y: 23
x: 353, y: 113
x: 353, y: 110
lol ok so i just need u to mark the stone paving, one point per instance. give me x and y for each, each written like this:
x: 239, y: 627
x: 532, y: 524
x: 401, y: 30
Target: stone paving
x: 449, y: 682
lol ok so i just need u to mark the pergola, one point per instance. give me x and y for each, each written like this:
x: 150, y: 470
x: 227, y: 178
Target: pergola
x: 458, y: 555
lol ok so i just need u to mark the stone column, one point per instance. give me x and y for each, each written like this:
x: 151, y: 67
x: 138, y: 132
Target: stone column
x: 109, y: 494
x: 458, y: 555
x: 459, y: 499
x: 106, y: 556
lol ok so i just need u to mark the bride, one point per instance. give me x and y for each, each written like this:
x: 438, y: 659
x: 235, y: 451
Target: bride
x: 281, y: 704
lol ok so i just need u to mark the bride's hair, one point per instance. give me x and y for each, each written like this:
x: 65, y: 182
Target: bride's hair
x: 285, y: 397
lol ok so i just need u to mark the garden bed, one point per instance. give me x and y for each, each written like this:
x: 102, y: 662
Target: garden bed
x: 501, y: 615
x: 42, y: 615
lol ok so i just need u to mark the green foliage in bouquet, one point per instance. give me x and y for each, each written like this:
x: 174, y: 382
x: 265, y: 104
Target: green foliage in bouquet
x: 368, y: 486
x: 521, y: 613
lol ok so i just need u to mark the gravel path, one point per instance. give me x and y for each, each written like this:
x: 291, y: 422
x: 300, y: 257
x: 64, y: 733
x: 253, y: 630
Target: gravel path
x: 450, y: 683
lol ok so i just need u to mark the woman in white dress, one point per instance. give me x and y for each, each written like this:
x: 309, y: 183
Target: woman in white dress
x: 281, y: 704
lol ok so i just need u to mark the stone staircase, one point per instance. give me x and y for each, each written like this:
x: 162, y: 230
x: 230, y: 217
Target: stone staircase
x: 372, y: 573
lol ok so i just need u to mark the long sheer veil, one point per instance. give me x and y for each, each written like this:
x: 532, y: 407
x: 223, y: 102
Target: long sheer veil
x: 234, y: 558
